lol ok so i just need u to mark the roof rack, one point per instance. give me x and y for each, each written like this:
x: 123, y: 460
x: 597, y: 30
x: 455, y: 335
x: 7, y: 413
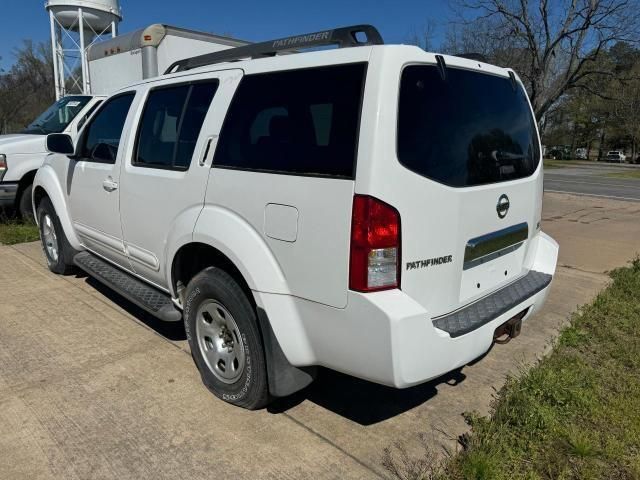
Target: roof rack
x: 354, y: 36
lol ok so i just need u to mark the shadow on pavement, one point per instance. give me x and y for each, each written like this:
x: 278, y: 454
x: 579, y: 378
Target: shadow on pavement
x: 170, y: 330
x: 360, y: 401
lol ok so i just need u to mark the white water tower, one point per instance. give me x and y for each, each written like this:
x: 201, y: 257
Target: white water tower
x: 75, y: 26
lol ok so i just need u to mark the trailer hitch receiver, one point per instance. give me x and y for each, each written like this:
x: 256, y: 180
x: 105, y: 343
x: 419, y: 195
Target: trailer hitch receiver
x: 509, y: 329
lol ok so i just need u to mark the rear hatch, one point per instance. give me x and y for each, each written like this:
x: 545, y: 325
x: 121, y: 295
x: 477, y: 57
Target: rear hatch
x: 466, y: 183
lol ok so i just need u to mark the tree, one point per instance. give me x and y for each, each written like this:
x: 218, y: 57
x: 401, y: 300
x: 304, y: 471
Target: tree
x: 27, y: 88
x: 423, y: 37
x: 626, y: 107
x: 553, y: 45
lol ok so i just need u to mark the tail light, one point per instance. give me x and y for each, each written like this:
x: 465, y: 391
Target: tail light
x: 375, y: 245
x: 3, y: 165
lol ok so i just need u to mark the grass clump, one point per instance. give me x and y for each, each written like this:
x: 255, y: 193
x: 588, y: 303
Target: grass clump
x: 576, y: 414
x: 13, y: 231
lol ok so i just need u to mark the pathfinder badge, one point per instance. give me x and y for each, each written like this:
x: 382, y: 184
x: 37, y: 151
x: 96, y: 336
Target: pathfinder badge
x: 431, y: 262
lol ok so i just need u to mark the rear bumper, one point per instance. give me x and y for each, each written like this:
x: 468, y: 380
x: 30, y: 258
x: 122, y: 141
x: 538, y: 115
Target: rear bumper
x: 387, y: 337
x: 8, y: 192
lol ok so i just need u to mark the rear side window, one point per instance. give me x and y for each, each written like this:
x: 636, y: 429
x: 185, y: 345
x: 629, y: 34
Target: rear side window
x: 102, y: 136
x: 301, y: 122
x: 171, y: 124
x: 467, y: 129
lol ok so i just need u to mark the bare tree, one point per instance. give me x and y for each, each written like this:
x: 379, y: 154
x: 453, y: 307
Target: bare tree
x: 26, y: 89
x: 424, y: 36
x: 554, y: 45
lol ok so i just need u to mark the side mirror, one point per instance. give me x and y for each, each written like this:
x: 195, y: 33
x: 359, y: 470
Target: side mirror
x: 60, y: 143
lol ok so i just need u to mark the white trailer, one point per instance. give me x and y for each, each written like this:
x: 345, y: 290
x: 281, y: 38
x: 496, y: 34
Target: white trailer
x: 147, y: 53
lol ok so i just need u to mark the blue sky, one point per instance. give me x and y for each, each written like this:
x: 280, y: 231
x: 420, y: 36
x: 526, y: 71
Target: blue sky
x: 250, y: 19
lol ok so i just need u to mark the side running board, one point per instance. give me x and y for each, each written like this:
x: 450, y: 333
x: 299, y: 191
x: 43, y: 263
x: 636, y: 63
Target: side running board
x: 151, y: 299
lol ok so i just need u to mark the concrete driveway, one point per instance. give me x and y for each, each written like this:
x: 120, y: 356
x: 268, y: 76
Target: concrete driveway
x: 91, y: 387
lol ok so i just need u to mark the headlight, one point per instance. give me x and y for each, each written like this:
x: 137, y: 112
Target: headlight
x: 3, y: 165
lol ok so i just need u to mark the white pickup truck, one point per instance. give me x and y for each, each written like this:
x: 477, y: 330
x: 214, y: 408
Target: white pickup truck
x: 22, y: 154
x: 116, y: 62
x: 374, y: 209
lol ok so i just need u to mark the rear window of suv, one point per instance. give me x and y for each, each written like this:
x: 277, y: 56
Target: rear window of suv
x: 301, y: 122
x: 467, y: 129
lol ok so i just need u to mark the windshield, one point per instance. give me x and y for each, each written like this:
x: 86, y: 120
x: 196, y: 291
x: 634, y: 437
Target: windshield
x: 467, y: 129
x: 56, y: 118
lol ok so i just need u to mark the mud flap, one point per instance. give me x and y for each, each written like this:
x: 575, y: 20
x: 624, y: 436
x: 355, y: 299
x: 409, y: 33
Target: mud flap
x: 284, y: 379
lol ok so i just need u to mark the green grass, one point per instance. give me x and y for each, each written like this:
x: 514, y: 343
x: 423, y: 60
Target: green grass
x: 549, y: 163
x: 635, y: 174
x: 12, y: 232
x: 555, y: 163
x: 575, y: 415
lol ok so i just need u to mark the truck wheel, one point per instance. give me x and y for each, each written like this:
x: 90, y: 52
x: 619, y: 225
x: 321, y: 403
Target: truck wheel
x: 57, y: 251
x: 25, y: 207
x: 225, y: 340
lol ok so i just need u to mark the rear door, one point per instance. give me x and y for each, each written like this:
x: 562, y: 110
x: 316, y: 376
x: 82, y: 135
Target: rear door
x: 285, y: 164
x: 165, y: 176
x: 465, y: 179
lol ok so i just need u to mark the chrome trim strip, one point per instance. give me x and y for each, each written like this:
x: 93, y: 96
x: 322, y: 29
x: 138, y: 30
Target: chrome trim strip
x: 488, y: 247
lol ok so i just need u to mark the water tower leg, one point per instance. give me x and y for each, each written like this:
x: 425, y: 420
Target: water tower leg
x: 55, y: 52
x: 60, y: 49
x: 83, y: 53
x: 114, y: 29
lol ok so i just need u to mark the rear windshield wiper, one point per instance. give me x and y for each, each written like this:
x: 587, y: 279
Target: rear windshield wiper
x: 500, y: 155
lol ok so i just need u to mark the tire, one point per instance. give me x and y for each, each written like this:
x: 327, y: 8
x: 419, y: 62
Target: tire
x: 56, y: 247
x: 226, y: 345
x: 25, y: 207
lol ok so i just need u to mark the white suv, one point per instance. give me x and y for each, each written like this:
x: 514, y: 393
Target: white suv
x: 616, y: 156
x: 371, y: 209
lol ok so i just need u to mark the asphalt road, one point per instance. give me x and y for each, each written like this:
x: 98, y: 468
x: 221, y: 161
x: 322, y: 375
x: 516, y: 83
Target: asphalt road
x: 592, y: 182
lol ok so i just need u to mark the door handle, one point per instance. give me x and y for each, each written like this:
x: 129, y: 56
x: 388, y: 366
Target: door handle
x: 207, y: 149
x: 109, y: 185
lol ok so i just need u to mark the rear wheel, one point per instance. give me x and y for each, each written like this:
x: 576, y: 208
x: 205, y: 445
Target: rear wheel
x: 225, y: 340
x: 57, y: 251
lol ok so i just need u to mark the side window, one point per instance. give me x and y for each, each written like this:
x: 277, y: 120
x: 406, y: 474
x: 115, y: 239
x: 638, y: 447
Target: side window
x: 102, y: 137
x: 298, y: 122
x: 86, y: 116
x: 171, y: 124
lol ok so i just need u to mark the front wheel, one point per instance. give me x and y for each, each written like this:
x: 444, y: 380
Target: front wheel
x: 225, y: 340
x: 55, y: 245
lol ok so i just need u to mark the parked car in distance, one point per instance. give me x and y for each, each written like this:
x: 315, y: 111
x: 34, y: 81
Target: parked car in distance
x: 559, y: 153
x: 581, y: 154
x: 616, y: 156
x: 311, y: 209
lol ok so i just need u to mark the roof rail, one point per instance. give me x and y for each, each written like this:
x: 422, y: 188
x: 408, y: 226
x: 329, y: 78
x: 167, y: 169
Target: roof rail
x: 354, y: 36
